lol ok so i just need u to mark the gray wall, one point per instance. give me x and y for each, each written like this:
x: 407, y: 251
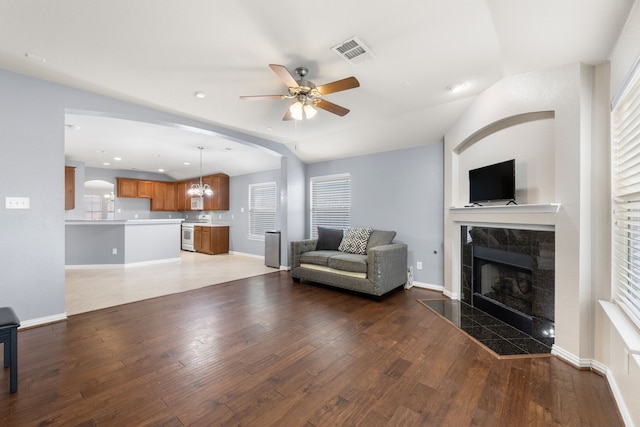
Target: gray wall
x: 239, y: 211
x: 32, y: 113
x: 402, y: 191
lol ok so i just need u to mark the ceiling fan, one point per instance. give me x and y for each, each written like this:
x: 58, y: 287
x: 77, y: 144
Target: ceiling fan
x: 306, y: 94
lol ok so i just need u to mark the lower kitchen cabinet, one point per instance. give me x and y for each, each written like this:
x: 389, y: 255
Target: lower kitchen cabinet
x: 211, y: 240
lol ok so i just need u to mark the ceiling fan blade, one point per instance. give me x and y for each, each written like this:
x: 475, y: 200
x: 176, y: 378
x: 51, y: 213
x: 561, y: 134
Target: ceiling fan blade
x: 339, y: 85
x: 331, y: 107
x: 263, y: 97
x: 284, y: 74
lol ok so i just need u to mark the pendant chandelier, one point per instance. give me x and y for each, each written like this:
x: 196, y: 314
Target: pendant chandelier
x: 200, y: 190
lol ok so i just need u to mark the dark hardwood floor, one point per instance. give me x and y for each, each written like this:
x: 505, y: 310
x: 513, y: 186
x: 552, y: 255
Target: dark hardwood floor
x: 264, y: 351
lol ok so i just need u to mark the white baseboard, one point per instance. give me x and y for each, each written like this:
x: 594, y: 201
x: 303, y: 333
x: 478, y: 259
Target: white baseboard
x: 617, y: 395
x: 246, y: 254
x: 450, y: 294
x: 40, y: 321
x: 601, y: 369
x: 112, y: 266
x: 429, y: 286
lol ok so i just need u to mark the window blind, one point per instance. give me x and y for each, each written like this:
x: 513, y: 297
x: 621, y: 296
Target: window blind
x: 626, y: 199
x: 262, y: 208
x: 330, y: 202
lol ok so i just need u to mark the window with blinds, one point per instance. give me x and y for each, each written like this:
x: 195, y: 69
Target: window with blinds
x: 626, y: 198
x: 330, y: 202
x: 262, y: 208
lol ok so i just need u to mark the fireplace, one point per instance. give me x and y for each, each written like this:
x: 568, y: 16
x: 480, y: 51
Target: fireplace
x: 502, y: 286
x: 510, y: 274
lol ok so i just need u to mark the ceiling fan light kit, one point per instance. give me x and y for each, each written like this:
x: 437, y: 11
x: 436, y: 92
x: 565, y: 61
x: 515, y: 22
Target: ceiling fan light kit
x: 306, y: 94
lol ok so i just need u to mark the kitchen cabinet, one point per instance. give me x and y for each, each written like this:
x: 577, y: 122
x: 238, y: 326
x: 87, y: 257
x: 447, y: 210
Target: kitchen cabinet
x: 130, y: 187
x: 181, y: 196
x: 127, y: 187
x: 211, y: 240
x: 170, y: 202
x: 173, y: 196
x: 219, y: 201
x: 69, y: 187
x: 145, y: 189
x: 158, y: 189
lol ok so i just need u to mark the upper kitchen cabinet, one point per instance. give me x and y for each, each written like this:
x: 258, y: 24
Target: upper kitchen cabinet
x: 170, y: 196
x: 145, y: 189
x: 219, y: 183
x: 181, y: 196
x: 69, y: 187
x: 158, y: 195
x: 129, y: 187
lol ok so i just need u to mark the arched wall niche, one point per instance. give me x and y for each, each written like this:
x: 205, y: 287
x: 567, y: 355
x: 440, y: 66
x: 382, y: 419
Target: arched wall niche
x: 500, y: 125
x: 527, y: 138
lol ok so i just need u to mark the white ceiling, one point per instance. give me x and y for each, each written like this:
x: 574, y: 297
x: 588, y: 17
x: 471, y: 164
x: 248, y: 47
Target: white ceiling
x: 160, y: 52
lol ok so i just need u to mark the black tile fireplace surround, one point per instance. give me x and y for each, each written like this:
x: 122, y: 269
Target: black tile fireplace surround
x: 520, y: 268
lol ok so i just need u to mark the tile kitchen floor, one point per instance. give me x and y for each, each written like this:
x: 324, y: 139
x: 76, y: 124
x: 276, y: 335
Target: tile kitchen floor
x: 93, y: 289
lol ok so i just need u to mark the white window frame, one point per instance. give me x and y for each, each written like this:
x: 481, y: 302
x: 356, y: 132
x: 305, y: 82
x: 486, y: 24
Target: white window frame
x: 625, y: 227
x: 96, y: 206
x: 329, y: 202
x: 262, y: 210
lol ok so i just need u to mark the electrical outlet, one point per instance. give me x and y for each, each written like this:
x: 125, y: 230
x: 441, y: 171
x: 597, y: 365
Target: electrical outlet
x: 114, y: 251
x: 16, y: 203
x: 419, y: 265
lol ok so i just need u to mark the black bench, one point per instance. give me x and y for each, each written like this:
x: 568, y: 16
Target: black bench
x: 9, y: 323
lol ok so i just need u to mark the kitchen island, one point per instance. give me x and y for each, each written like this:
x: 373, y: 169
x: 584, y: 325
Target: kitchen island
x: 118, y: 243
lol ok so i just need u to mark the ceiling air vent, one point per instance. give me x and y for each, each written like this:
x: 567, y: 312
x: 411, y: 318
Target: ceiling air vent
x: 353, y: 51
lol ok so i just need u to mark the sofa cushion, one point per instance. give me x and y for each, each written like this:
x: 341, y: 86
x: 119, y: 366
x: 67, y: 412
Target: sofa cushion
x: 329, y: 238
x: 317, y: 257
x: 379, y: 238
x: 355, y: 240
x: 349, y: 262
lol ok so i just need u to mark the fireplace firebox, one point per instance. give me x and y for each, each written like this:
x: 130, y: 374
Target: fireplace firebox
x: 502, y: 286
x: 510, y: 274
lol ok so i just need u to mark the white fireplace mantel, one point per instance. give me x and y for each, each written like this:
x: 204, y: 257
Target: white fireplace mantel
x: 528, y: 217
x: 509, y: 209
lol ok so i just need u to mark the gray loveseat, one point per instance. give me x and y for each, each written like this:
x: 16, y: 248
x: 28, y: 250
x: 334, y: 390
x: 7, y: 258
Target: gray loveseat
x: 361, y: 260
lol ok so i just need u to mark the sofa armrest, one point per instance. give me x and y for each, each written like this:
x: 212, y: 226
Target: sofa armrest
x: 299, y: 247
x: 387, y: 266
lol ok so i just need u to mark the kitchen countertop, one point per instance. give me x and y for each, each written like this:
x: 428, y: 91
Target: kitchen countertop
x: 124, y: 221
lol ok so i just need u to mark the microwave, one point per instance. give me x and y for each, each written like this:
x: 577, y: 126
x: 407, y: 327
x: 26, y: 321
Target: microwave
x: 197, y: 203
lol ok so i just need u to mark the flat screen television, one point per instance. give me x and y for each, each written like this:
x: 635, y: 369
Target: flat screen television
x: 493, y: 183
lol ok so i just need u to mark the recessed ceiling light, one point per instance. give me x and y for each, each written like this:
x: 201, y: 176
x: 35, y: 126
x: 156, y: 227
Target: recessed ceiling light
x: 107, y: 164
x: 187, y: 163
x: 269, y: 128
x: 456, y: 87
x: 35, y: 58
x: 117, y: 158
x: 100, y: 151
x: 199, y: 94
x: 160, y: 170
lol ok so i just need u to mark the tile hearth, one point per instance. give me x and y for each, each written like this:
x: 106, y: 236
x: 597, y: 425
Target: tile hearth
x: 497, y: 336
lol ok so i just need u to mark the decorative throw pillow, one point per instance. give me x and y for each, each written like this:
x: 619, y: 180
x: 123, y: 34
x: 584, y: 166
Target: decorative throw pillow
x: 380, y: 237
x: 355, y: 240
x: 329, y: 238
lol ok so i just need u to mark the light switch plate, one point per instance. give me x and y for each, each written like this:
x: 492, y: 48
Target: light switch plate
x: 16, y: 203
